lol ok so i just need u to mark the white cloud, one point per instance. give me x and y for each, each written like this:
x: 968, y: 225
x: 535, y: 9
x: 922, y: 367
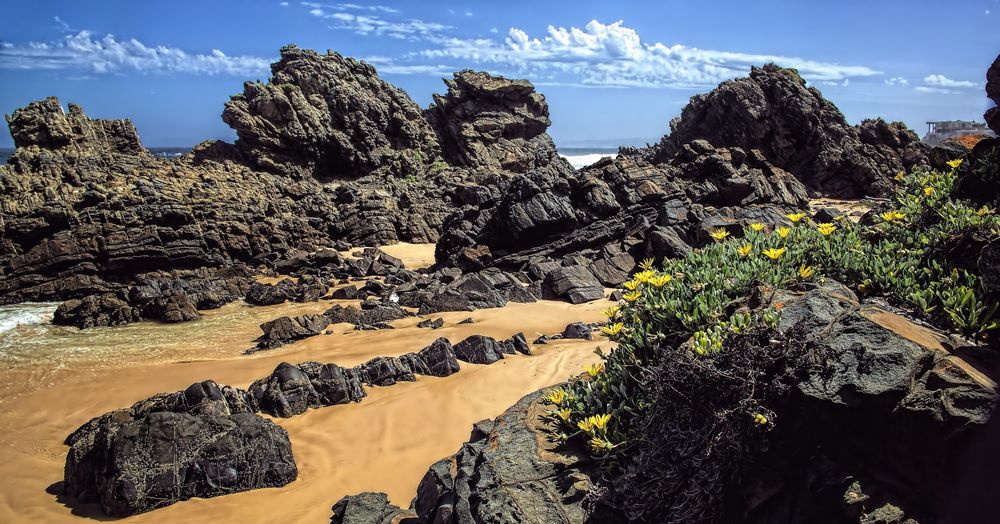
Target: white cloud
x: 896, y: 80
x: 494, y: 30
x: 411, y: 29
x: 283, y: 4
x: 614, y: 55
x: 350, y: 7
x: 386, y: 65
x: 943, y: 81
x: 937, y: 90
x: 468, y: 13
x: 108, y: 54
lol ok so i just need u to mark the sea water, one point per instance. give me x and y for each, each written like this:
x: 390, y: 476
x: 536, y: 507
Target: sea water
x: 579, y: 157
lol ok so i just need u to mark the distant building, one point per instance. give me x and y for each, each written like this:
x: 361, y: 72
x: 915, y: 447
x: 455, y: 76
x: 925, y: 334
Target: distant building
x: 938, y: 132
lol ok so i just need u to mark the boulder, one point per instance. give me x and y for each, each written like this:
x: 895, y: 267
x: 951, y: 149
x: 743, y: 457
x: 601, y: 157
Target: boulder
x: 439, y: 358
x: 96, y: 310
x: 367, y: 508
x: 575, y: 284
x: 480, y: 349
x: 384, y: 371
x: 283, y: 330
x: 291, y: 390
x: 578, y: 330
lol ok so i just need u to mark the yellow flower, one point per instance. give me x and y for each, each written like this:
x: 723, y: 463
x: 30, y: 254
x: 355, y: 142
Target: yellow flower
x: 600, y: 422
x: 612, y: 311
x: 595, y: 369
x: 757, y: 226
x: 774, y: 254
x: 826, y: 228
x: 632, y: 296
x: 719, y: 234
x: 954, y: 163
x: 646, y: 264
x: 612, y: 329
x: 759, y: 419
x: 661, y: 280
x: 644, y: 276
x: 806, y: 271
x: 892, y: 216
x: 632, y: 285
x: 564, y: 414
x: 928, y: 191
x: 744, y: 250
x: 600, y: 444
x: 585, y: 425
x: 795, y: 217
x: 899, y: 176
x: 557, y: 396
x: 783, y: 231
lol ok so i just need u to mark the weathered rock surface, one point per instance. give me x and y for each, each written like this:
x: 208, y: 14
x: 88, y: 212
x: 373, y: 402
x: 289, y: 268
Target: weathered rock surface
x: 96, y: 310
x: 494, y: 123
x: 480, y: 349
x: 292, y: 389
x: 799, y: 131
x: 992, y: 115
x: 283, y: 330
x: 204, y: 441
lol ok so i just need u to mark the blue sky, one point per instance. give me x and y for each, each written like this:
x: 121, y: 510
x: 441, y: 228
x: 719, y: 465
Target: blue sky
x: 612, y: 71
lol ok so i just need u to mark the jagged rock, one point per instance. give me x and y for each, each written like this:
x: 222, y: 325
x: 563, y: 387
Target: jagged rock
x: 431, y: 324
x: 203, y: 441
x: 574, y: 283
x: 479, y: 349
x: 577, y: 330
x: 96, y: 310
x: 367, y: 508
x: 43, y: 124
x: 326, y: 116
x: 798, y: 130
x: 345, y: 293
x: 439, y: 358
x: 992, y: 115
x: 291, y: 390
x: 491, y: 122
x: 283, y: 330
x: 517, y: 343
x: 166, y: 457
x: 384, y: 371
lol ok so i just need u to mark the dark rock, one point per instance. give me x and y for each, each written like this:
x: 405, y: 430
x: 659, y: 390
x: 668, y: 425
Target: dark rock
x: 289, y: 329
x: 992, y: 115
x: 261, y: 294
x: 96, y: 310
x: 345, y: 293
x: 440, y: 358
x: 290, y: 390
x: 467, y: 320
x: 575, y: 284
x: 518, y: 344
x: 577, y: 330
x: 384, y: 371
x: 166, y: 457
x: 367, y: 508
x: 798, y: 130
x: 432, y: 324
x: 479, y: 349
x: 326, y: 116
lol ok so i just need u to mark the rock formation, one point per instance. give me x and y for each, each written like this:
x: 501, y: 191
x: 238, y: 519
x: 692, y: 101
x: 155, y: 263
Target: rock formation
x: 798, y: 130
x: 328, y: 117
x: 980, y: 173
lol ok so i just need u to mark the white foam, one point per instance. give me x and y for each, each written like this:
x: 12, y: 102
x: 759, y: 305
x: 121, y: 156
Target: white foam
x: 31, y: 314
x: 578, y: 161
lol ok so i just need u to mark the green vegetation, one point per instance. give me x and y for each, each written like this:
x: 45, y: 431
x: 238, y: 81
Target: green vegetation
x: 692, y: 305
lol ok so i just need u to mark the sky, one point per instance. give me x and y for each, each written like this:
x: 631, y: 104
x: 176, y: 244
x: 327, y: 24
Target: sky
x: 612, y: 72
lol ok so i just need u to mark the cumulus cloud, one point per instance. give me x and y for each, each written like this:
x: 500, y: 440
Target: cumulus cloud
x: 943, y: 81
x: 937, y: 90
x: 99, y: 55
x: 896, y: 80
x: 614, y: 55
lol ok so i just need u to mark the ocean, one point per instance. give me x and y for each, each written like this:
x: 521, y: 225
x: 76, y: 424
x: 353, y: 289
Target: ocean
x: 577, y: 156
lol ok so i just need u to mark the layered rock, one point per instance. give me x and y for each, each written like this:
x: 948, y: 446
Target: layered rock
x: 327, y: 116
x: 493, y: 123
x: 979, y: 179
x: 773, y: 110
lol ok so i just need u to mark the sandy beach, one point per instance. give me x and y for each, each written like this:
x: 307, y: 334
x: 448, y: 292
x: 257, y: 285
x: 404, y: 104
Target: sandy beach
x: 384, y: 443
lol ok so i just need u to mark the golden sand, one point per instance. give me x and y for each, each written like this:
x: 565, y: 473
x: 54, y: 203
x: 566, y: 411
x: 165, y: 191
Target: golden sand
x: 384, y: 443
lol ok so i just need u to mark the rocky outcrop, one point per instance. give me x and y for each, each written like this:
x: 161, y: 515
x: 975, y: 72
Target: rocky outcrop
x: 327, y: 116
x: 992, y: 115
x: 979, y: 179
x: 508, y: 471
x: 798, y: 130
x: 573, y: 233
x: 493, y: 123
x: 283, y: 330
x: 204, y: 441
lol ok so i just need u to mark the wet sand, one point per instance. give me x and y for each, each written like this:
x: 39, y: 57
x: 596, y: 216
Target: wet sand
x: 384, y: 443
